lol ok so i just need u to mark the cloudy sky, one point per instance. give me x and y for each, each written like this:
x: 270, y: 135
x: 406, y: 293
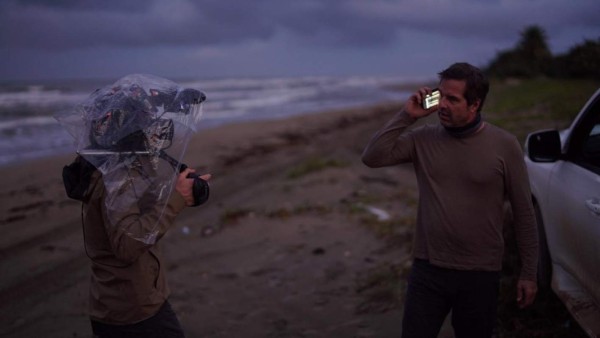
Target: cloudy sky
x: 230, y: 38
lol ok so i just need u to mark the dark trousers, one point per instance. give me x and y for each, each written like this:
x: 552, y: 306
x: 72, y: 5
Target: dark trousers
x: 164, y: 324
x: 433, y: 291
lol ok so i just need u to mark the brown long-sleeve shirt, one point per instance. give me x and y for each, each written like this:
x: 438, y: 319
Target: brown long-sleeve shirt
x: 463, y: 184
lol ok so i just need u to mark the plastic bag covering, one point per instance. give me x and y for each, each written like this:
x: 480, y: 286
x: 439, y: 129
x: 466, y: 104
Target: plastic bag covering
x: 135, y: 132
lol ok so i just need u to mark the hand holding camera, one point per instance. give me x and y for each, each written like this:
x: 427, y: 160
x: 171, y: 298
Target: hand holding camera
x: 198, y: 192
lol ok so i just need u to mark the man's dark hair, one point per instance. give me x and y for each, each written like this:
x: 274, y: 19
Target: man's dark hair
x: 477, y: 83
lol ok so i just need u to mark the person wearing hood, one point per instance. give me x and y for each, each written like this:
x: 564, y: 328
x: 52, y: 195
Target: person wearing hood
x: 131, y: 191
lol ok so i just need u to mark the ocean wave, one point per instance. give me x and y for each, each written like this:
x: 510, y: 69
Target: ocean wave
x: 36, y: 96
x: 28, y: 128
x: 27, y: 122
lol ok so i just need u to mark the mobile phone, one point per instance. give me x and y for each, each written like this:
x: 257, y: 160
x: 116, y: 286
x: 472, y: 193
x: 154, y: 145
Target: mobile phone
x: 432, y: 99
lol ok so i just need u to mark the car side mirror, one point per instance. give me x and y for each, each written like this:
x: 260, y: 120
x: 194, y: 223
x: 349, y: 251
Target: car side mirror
x: 543, y: 146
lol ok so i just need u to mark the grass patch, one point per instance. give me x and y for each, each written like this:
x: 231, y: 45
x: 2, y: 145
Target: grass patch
x: 382, y: 288
x: 305, y: 208
x: 231, y: 216
x: 408, y: 197
x: 524, y: 106
x: 314, y: 164
x: 388, y: 229
x: 359, y: 198
x: 553, y: 98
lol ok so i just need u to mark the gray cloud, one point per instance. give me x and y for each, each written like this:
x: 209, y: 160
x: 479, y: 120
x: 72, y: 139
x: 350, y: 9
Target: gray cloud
x: 74, y: 24
x: 130, y: 5
x: 71, y: 25
x: 87, y: 38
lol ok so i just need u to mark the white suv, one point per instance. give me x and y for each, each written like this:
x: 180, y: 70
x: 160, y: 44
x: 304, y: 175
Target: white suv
x: 564, y: 172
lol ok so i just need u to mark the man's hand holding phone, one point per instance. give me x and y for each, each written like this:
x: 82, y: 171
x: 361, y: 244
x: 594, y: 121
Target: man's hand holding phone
x: 423, y: 102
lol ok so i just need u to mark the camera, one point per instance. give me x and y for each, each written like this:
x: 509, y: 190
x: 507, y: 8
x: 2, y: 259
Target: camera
x: 432, y: 99
x: 200, y: 189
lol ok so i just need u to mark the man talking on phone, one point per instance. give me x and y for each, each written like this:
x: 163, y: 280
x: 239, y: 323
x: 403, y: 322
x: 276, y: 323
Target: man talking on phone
x: 466, y: 170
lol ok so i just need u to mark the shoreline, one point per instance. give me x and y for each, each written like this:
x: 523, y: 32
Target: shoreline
x: 207, y: 126
x: 28, y: 115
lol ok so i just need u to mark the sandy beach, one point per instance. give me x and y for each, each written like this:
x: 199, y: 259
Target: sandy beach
x: 299, y: 238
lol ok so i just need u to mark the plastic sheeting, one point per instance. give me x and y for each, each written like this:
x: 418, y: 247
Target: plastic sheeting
x: 135, y: 132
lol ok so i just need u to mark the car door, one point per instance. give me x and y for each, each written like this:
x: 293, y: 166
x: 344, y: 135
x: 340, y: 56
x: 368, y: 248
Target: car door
x: 574, y: 202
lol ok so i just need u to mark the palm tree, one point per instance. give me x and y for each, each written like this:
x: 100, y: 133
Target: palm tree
x: 534, y: 51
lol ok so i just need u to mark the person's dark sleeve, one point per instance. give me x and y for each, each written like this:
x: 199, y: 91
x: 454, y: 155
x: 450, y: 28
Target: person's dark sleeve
x: 390, y: 145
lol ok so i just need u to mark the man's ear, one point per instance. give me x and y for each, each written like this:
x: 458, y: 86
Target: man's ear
x: 475, y: 106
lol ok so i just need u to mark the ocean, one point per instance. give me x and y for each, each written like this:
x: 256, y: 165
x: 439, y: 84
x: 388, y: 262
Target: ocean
x: 28, y: 129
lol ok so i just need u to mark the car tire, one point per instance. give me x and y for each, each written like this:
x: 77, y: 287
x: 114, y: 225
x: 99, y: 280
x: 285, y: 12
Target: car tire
x: 544, y: 273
